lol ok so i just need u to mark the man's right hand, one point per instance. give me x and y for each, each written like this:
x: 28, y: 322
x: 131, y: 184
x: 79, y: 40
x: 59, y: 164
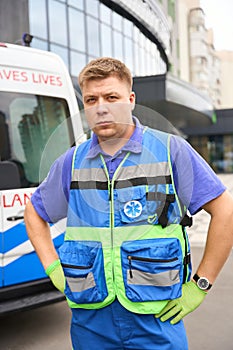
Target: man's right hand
x: 56, y: 274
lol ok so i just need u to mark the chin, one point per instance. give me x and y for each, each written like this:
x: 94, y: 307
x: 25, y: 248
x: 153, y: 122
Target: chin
x: 103, y: 131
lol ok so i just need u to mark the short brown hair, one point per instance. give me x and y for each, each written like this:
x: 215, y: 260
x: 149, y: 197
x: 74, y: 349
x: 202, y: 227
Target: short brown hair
x: 105, y: 67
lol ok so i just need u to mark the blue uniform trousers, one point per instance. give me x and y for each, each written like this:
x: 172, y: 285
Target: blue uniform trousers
x: 115, y: 328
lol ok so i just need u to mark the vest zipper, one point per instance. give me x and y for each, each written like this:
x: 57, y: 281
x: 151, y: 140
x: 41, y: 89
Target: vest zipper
x: 139, y: 258
x: 110, y: 191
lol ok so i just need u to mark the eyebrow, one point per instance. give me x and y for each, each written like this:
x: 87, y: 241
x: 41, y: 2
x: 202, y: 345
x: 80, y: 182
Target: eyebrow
x: 105, y: 94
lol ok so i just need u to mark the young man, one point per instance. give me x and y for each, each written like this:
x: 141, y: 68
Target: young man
x: 125, y: 262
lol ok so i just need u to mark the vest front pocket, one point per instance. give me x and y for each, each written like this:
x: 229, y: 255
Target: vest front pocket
x: 152, y: 269
x: 83, y: 266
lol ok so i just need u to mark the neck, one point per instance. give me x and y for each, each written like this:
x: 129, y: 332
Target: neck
x: 113, y: 145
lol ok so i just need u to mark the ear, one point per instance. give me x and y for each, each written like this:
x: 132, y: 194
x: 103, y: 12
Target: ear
x: 132, y: 99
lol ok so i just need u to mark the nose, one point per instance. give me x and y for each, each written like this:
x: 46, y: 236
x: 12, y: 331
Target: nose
x: 101, y: 108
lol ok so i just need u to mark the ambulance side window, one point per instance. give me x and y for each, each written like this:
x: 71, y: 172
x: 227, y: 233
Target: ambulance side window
x: 28, y: 125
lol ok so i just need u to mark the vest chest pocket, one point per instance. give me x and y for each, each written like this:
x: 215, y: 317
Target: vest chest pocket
x: 152, y: 269
x: 83, y: 266
x: 137, y: 204
x: 132, y: 204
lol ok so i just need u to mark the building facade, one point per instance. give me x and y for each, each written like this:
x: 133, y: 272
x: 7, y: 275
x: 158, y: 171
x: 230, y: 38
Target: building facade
x: 90, y: 29
x: 163, y: 42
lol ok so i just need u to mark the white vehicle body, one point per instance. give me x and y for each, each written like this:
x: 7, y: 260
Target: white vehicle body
x: 39, y: 120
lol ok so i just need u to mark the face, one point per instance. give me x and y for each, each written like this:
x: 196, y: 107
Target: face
x: 108, y: 105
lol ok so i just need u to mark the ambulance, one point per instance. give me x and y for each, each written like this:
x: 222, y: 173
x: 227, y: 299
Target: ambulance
x: 39, y: 120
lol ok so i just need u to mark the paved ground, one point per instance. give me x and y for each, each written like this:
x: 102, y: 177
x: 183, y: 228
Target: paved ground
x: 210, y: 327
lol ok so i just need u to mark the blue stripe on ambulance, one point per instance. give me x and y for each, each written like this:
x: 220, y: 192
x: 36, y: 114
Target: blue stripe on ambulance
x: 19, y: 262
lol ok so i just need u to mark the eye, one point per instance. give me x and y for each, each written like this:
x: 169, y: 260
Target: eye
x: 112, y: 98
x: 90, y: 100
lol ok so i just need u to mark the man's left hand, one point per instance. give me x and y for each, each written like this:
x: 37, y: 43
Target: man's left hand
x: 191, y: 298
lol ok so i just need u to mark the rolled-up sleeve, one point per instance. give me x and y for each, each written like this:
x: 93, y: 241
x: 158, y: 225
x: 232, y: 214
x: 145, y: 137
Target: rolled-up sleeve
x: 195, y: 181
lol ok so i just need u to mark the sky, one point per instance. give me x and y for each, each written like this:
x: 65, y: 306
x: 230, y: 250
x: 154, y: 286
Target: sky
x: 218, y: 16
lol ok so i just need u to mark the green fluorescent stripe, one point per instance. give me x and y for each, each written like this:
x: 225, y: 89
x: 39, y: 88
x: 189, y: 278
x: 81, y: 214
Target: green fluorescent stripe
x: 74, y: 155
x: 109, y: 183
x: 122, y: 233
x: 113, y: 181
x: 163, y: 279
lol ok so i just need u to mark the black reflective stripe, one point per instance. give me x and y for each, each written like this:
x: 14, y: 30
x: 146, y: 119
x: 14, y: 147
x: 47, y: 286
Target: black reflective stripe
x: 89, y: 185
x: 103, y: 185
x: 159, y: 196
x: 142, y: 181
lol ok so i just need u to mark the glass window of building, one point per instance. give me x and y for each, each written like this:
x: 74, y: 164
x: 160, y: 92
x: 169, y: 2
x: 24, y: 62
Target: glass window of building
x: 153, y: 58
x: 93, y: 42
x: 57, y: 22
x: 106, y: 40
x: 117, y: 21
x: 39, y: 44
x: 148, y: 57
x: 136, y: 70
x: 105, y: 14
x: 128, y: 27
x: 128, y: 52
x: 77, y: 30
x: 136, y: 32
x: 118, y: 45
x: 83, y: 30
x: 92, y: 7
x: 37, y: 19
x: 76, y: 3
x: 77, y: 62
x: 142, y: 54
x: 62, y: 52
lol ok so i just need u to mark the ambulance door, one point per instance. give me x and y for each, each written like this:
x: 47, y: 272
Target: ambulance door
x: 19, y: 261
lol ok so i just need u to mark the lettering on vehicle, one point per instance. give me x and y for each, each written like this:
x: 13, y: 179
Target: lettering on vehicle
x: 15, y: 75
x: 15, y: 199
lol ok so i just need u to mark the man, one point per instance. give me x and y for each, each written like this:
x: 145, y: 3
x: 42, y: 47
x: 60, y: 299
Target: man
x: 125, y: 262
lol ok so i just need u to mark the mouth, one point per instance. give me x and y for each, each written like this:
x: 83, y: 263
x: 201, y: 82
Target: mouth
x: 103, y: 123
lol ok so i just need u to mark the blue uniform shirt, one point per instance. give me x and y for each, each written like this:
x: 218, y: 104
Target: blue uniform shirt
x: 196, y: 183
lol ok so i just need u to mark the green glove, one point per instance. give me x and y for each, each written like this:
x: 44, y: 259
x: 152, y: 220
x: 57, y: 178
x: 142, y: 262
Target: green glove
x: 56, y: 274
x: 191, y: 298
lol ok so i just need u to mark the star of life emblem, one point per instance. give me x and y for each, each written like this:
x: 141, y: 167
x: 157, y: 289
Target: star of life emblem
x: 133, y: 209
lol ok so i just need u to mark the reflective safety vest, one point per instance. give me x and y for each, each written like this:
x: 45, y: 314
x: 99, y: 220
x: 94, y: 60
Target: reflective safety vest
x: 125, y: 237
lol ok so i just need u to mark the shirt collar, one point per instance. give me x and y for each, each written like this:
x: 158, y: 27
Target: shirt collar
x: 133, y: 145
